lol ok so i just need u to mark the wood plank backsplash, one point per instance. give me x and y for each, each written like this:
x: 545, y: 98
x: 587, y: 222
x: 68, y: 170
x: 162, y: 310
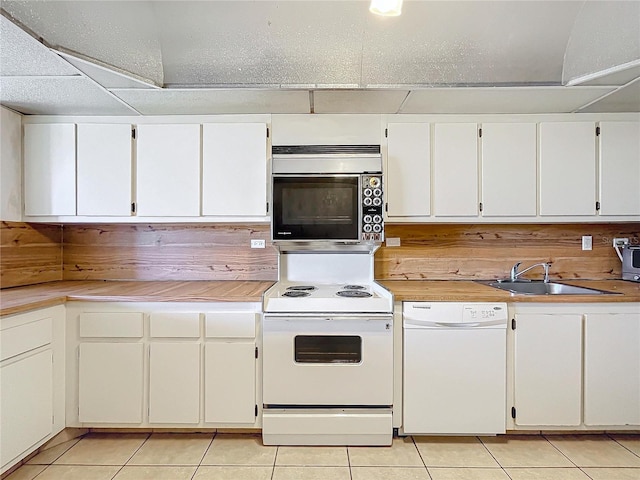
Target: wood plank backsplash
x: 29, y: 253
x: 486, y: 251
x: 167, y: 252
x: 37, y: 253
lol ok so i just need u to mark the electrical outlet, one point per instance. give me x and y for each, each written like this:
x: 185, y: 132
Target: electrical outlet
x: 587, y: 242
x: 256, y: 243
x: 392, y: 241
x: 619, y: 242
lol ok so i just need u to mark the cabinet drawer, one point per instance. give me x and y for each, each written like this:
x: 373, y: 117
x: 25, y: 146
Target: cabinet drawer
x: 20, y: 339
x: 111, y: 324
x: 235, y: 324
x: 174, y: 325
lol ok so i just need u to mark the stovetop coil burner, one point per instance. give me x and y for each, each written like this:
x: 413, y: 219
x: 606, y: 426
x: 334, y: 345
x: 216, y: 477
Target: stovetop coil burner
x: 353, y: 293
x: 301, y: 288
x: 295, y: 293
x: 354, y: 287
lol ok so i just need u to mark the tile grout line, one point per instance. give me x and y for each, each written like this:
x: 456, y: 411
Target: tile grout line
x: 560, y: 451
x: 623, y: 446
x: 275, y: 460
x: 492, y: 456
x: 349, y: 462
x: 132, y: 455
x: 215, y: 434
x: 413, y: 439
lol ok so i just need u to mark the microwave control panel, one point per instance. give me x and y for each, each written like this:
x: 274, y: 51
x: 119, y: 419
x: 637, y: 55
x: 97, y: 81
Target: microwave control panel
x: 372, y: 201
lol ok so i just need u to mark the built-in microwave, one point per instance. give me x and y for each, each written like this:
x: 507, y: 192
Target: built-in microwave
x: 631, y: 263
x: 327, y: 193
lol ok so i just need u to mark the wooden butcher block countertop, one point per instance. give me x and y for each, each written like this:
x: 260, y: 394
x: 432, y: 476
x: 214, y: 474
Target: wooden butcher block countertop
x: 469, y: 291
x: 19, y: 299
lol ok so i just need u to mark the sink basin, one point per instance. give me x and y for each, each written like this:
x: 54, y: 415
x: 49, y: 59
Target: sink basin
x: 541, y: 288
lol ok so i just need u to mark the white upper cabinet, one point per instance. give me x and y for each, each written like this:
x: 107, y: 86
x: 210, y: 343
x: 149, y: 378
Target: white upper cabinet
x: 168, y: 170
x: 568, y: 168
x: 104, y: 169
x: 50, y: 169
x: 234, y: 169
x: 408, y: 176
x: 455, y: 159
x: 508, y: 169
x: 619, y: 168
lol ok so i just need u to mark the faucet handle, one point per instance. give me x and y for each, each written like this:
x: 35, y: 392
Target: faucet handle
x: 514, y: 271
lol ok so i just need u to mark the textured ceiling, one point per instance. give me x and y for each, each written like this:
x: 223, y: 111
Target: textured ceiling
x: 296, y: 56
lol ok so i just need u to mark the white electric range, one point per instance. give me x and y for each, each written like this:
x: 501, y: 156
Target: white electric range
x: 327, y: 352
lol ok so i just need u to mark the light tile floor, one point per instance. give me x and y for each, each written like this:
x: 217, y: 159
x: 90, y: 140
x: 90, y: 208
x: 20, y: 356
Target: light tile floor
x: 167, y: 456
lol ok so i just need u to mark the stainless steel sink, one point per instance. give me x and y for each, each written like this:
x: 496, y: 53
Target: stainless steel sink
x: 542, y: 288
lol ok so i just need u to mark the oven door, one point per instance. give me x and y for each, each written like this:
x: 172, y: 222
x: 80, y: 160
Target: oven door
x: 328, y: 361
x: 316, y: 207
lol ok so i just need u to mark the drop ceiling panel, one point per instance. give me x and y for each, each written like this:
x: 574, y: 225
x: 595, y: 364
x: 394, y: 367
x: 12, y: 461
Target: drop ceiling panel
x: 468, y: 43
x: 501, y: 100
x: 626, y: 99
x: 358, y: 101
x: 261, y: 43
x: 119, y: 33
x: 605, y: 35
x: 209, y: 101
x: 58, y: 96
x: 23, y: 55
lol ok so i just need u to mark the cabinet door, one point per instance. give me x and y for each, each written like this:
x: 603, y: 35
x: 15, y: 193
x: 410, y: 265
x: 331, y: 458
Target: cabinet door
x: 168, y: 170
x: 620, y: 168
x: 234, y: 169
x: 26, y: 410
x: 230, y: 382
x: 568, y: 168
x: 104, y: 169
x: 174, y: 383
x: 455, y: 171
x: 508, y: 169
x: 110, y: 382
x: 408, y: 176
x: 612, y: 369
x: 548, y: 369
x: 50, y: 169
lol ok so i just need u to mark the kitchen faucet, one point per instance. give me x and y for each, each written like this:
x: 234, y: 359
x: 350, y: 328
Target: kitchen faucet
x: 515, y: 273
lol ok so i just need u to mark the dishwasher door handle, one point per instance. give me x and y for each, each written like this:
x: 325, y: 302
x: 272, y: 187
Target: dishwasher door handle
x: 457, y: 324
x: 414, y: 322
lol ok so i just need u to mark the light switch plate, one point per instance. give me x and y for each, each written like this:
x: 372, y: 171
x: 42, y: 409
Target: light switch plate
x: 587, y: 242
x: 257, y: 243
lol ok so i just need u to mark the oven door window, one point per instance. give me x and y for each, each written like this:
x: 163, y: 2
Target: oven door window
x: 328, y: 349
x: 316, y: 208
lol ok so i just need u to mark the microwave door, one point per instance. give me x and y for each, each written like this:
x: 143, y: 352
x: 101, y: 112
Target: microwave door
x: 321, y: 207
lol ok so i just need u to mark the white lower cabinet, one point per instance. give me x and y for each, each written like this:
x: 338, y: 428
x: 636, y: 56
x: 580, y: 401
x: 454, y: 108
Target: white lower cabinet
x: 162, y: 365
x: 31, y: 382
x: 575, y: 366
x: 230, y: 394
x: 612, y: 369
x: 174, y: 383
x: 548, y: 364
x: 110, y: 382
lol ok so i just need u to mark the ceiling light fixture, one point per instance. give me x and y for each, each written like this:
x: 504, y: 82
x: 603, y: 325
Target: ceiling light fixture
x: 386, y: 8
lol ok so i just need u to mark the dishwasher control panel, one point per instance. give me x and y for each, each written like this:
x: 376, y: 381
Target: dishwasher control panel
x: 462, y: 314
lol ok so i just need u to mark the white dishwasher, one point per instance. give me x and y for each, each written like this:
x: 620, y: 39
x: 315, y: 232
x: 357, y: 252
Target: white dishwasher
x: 454, y: 368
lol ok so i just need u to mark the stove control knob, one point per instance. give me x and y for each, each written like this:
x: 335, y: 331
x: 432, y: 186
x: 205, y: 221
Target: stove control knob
x: 367, y: 219
x: 368, y: 192
x: 377, y: 192
x: 367, y: 201
x: 377, y: 228
x: 636, y: 278
x: 377, y: 201
x: 377, y: 219
x: 374, y: 182
x: 367, y: 228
